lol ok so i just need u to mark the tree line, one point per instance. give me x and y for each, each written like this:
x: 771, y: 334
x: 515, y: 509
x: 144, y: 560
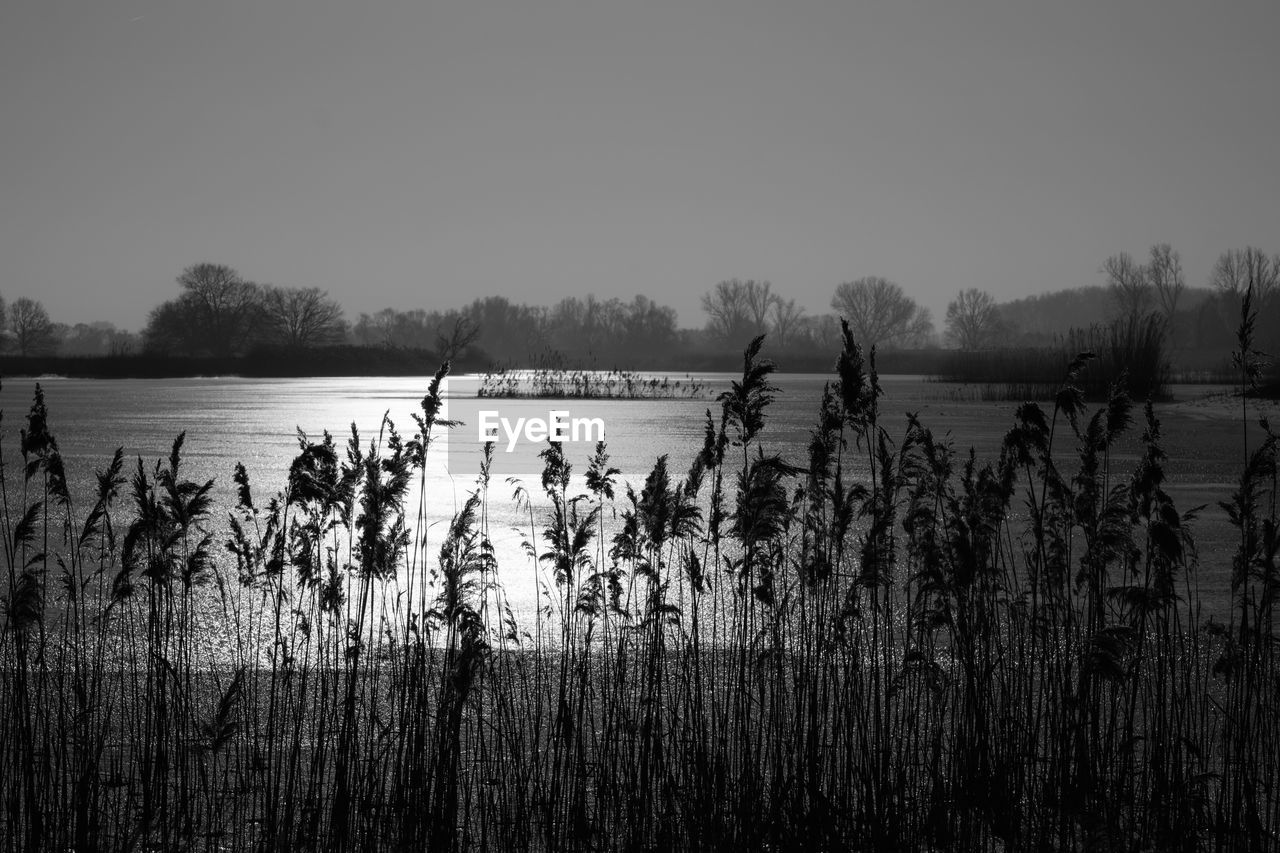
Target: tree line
x: 218, y: 313
x: 881, y: 314
x: 1191, y: 318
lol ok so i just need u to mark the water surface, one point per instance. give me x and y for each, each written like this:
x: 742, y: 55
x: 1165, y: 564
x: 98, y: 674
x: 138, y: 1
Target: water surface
x: 231, y: 420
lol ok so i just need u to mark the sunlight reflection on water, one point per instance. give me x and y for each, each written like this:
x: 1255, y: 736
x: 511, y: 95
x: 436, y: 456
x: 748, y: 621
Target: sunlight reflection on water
x: 255, y: 421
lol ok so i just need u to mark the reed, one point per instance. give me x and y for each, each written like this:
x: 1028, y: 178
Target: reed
x: 1131, y: 351
x: 561, y: 383
x: 889, y: 644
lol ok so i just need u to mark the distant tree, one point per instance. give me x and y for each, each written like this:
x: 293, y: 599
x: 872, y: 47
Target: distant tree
x: 599, y: 332
x: 376, y: 330
x: 920, y: 333
x: 217, y: 313
x: 787, y: 318
x: 880, y: 314
x: 302, y: 317
x: 97, y: 338
x: 729, y: 316
x: 1164, y: 272
x: 583, y: 325
x: 1129, y: 285
x: 972, y: 319
x: 416, y: 328
x: 454, y: 334
x: 168, y: 329
x: 412, y: 329
x: 33, y: 331
x: 1238, y: 270
x: 759, y: 299
x: 647, y: 327
x: 820, y: 331
x: 1042, y: 319
x: 4, y: 314
x: 123, y: 343
x: 227, y: 306
x: 509, y: 331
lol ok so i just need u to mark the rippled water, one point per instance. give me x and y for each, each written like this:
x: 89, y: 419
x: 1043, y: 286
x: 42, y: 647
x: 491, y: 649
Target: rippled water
x: 253, y: 421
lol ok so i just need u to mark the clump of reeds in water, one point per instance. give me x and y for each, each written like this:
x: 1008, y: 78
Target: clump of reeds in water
x: 586, y: 385
x: 888, y: 644
x: 1130, y: 350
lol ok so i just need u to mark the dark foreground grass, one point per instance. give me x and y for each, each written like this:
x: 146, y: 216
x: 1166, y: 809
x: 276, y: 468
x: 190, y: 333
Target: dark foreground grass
x: 862, y: 649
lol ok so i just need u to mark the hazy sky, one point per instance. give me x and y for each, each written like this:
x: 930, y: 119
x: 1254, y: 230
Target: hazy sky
x: 420, y: 154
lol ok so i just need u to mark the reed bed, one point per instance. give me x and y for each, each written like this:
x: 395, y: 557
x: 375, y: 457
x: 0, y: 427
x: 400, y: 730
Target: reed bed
x: 563, y: 383
x: 1130, y: 351
x: 887, y: 645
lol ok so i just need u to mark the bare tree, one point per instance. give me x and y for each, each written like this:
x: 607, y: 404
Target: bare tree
x: 919, y: 333
x: 728, y: 314
x: 972, y: 319
x: 302, y: 317
x: 456, y: 332
x: 217, y: 313
x: 787, y: 317
x: 648, y: 328
x: 759, y: 298
x: 584, y: 324
x: 603, y: 331
x: 376, y: 330
x: 821, y: 331
x: 879, y: 313
x: 122, y: 343
x: 1238, y: 270
x: 1129, y: 285
x: 392, y: 329
x: 1164, y: 272
x: 509, y: 330
x: 95, y: 338
x: 33, y: 332
x: 226, y: 305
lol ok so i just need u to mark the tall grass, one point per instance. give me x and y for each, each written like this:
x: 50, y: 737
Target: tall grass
x: 889, y: 644
x: 1131, y: 351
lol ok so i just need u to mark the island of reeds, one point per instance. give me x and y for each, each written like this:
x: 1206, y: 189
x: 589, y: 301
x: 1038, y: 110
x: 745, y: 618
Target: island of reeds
x: 567, y: 384
x: 889, y: 645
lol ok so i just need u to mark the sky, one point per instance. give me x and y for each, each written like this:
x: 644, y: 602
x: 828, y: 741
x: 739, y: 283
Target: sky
x: 420, y: 154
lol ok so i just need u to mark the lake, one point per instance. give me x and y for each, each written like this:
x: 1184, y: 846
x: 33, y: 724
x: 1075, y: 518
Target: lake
x: 255, y: 422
